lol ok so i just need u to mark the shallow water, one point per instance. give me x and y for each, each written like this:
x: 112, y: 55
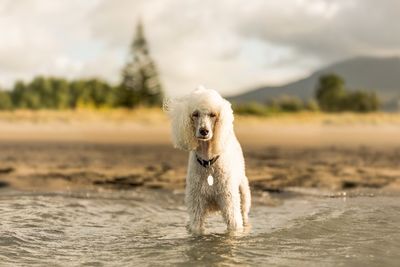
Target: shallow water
x: 147, y: 228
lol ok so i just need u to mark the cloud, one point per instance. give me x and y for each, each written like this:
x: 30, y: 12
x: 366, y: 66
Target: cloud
x: 329, y: 30
x: 194, y: 42
x: 228, y: 44
x: 37, y: 37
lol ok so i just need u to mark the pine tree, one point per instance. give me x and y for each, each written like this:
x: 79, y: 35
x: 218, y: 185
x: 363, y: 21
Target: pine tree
x: 140, y: 82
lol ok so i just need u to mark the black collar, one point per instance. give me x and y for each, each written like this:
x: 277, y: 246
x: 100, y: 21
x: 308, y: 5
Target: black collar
x: 206, y: 163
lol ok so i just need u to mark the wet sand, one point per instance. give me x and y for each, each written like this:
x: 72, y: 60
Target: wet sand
x: 95, y: 155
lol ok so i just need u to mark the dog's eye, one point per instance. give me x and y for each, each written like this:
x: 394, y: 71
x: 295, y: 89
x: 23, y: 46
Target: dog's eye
x: 212, y: 115
x: 195, y: 114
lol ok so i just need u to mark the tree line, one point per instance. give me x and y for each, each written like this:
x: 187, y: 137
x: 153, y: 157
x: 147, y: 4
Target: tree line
x: 331, y: 95
x: 139, y: 86
x: 59, y: 93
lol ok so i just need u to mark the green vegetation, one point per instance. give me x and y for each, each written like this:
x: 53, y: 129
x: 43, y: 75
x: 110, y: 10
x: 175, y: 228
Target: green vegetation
x: 330, y: 93
x: 284, y: 104
x: 291, y: 104
x: 58, y: 93
x: 332, y: 96
x: 360, y: 101
x: 140, y: 86
x: 256, y: 109
x: 5, y: 100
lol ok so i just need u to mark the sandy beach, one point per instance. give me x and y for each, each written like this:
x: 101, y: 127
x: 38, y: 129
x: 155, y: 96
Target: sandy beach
x: 72, y: 151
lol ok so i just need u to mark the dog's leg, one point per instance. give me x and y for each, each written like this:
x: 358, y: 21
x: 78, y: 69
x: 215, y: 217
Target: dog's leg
x: 245, y: 199
x: 196, y: 224
x: 230, y: 208
x: 197, y: 213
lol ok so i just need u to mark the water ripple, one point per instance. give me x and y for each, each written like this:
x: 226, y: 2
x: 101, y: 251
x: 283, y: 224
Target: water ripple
x: 148, y: 228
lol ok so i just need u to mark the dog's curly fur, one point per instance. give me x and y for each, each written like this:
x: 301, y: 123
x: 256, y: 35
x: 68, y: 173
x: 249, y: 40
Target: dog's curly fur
x: 230, y: 192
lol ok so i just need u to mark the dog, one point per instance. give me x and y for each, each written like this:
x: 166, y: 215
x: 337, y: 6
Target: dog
x: 202, y: 123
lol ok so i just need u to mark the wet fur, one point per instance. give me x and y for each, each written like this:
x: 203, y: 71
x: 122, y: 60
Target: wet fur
x: 230, y: 192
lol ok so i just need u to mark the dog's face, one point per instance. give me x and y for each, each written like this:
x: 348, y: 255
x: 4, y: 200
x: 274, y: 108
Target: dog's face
x: 203, y: 115
x: 204, y: 123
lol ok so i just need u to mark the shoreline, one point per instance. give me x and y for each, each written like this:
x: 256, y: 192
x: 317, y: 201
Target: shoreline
x: 101, y: 151
x: 70, y: 166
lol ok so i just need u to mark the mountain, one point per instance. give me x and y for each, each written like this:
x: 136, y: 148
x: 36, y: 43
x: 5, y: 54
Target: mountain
x: 381, y: 75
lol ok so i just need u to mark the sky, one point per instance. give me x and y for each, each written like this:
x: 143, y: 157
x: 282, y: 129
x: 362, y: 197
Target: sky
x: 228, y: 45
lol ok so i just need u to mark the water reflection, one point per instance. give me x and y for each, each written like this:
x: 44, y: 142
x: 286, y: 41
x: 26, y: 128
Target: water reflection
x: 214, y: 249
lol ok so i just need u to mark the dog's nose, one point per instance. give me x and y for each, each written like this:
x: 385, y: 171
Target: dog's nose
x: 203, y: 131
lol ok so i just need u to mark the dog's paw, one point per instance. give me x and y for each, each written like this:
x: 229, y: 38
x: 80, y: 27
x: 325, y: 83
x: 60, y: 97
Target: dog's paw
x: 235, y: 227
x: 195, y: 230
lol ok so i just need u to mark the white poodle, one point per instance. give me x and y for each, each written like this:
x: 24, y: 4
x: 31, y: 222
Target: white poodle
x: 202, y: 123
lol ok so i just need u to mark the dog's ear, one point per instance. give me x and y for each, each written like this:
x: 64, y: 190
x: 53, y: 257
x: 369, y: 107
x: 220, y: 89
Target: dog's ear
x: 181, y: 124
x: 166, y: 104
x: 223, y: 127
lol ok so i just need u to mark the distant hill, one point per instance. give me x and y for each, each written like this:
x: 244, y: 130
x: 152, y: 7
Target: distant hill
x: 381, y: 75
